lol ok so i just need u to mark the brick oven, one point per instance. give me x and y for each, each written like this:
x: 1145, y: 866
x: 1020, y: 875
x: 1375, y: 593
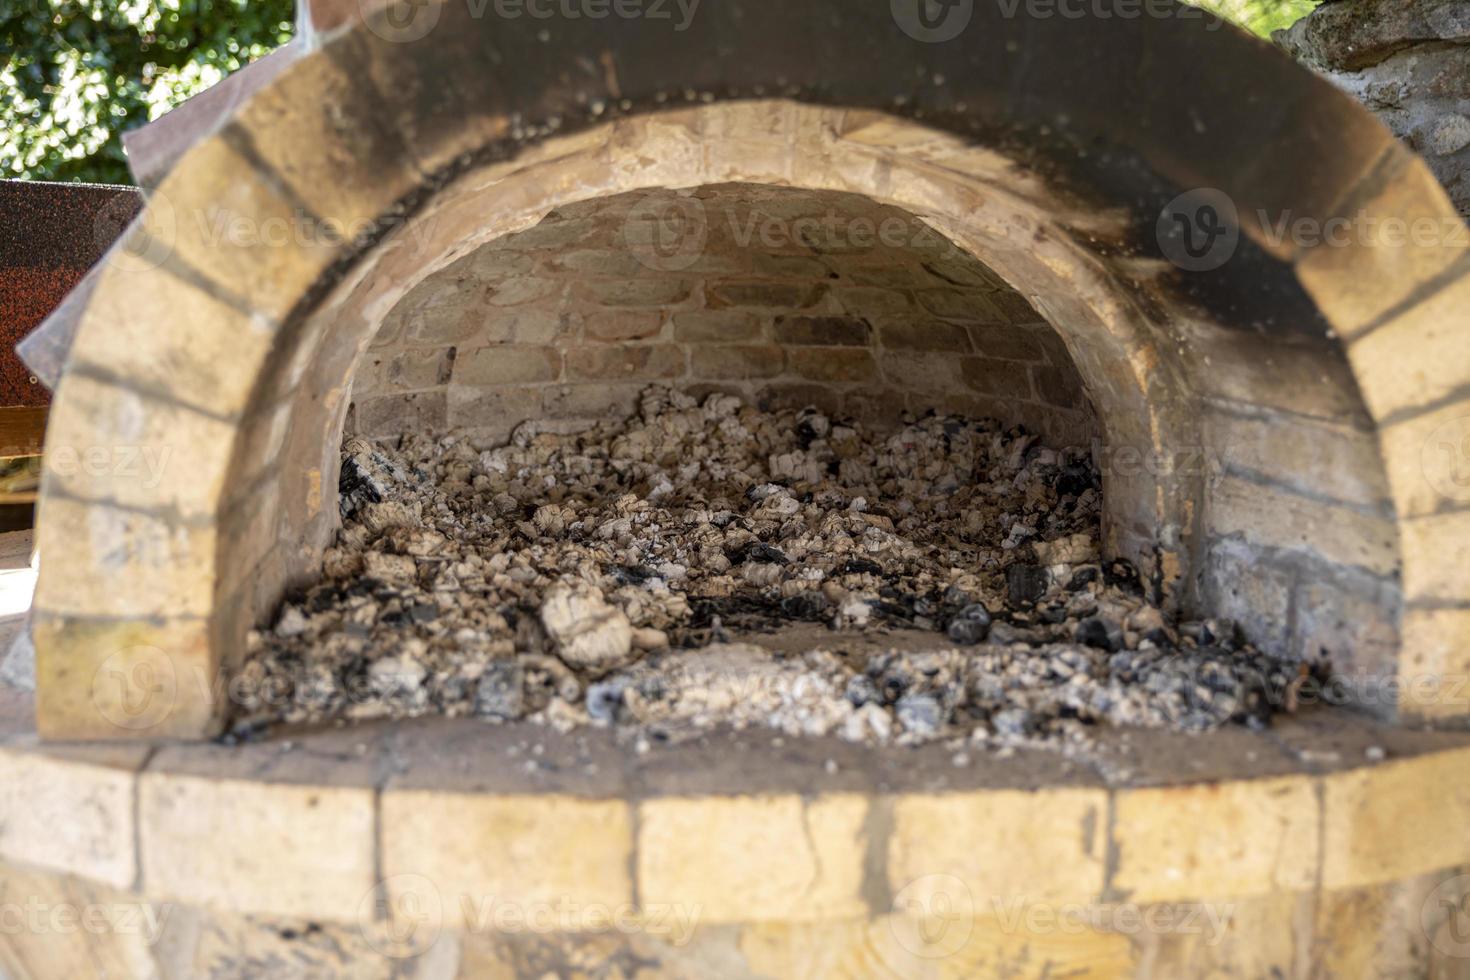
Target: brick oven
x: 450, y: 219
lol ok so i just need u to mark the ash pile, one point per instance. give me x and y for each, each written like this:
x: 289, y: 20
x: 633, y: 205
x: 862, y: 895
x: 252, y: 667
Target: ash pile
x: 709, y: 565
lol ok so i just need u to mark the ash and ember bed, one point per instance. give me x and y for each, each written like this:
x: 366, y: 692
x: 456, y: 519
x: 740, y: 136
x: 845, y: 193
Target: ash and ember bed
x: 713, y: 565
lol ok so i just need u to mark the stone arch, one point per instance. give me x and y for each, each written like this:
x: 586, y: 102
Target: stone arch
x: 225, y: 331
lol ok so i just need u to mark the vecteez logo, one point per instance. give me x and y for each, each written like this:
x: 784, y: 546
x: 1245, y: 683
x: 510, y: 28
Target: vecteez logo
x: 667, y: 232
x: 933, y: 21
x: 1199, y: 230
x: 400, y: 21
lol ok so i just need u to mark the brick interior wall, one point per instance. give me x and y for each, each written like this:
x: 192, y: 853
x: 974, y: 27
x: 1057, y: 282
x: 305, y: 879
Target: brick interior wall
x: 785, y: 297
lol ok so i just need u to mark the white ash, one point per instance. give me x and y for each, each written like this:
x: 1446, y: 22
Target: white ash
x: 639, y: 573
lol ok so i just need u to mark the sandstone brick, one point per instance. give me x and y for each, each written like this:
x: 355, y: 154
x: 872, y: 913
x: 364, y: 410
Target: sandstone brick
x: 474, y: 851
x: 106, y: 442
x: 1259, y: 936
x: 515, y: 291
x: 954, y: 304
x: 892, y: 272
x: 925, y: 373
x: 257, y: 847
x: 1236, y: 580
x: 717, y: 326
x: 171, y: 337
x: 1330, y: 460
x: 123, y: 679
x: 625, y: 363
x: 438, y: 312
x: 753, y: 859
x: 995, y: 340
x: 788, y: 266
x: 123, y: 562
x: 218, y: 215
x: 833, y: 364
x: 764, y: 295
x: 773, y: 397
x: 1045, y: 846
x: 1436, y: 558
x: 873, y: 301
x: 506, y: 365
x: 617, y: 262
x: 1297, y: 378
x: 1001, y: 379
x: 70, y: 809
x: 823, y: 331
x: 635, y: 292
x: 330, y: 149
x: 1434, y: 663
x: 1355, y: 629
x: 592, y: 401
x: 552, y: 233
x: 1399, y: 818
x: 1058, y: 385
x: 933, y: 335
x: 1247, y: 837
x: 1272, y: 517
x: 410, y: 369
x: 1369, y: 268
x: 494, y: 261
x: 961, y: 269
x: 1419, y: 360
x: 620, y: 326
x: 424, y: 411
x: 1014, y: 307
x: 492, y: 412
x: 1428, y: 460
x: 737, y: 362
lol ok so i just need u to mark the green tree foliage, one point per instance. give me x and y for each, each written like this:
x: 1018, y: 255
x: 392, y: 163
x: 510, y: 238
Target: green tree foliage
x: 1260, y: 16
x: 74, y: 74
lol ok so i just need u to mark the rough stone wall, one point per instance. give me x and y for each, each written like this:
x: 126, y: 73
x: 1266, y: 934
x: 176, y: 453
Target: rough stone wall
x: 1408, y: 61
x: 785, y: 297
x: 1299, y: 540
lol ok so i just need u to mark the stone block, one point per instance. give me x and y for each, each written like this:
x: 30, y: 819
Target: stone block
x: 625, y: 363
x: 934, y: 335
x: 832, y: 364
x: 753, y: 859
x: 544, y: 857
x: 622, y: 326
x: 823, y: 331
x: 1235, y: 839
x: 490, y: 366
x: 717, y: 326
x: 636, y: 293
x: 761, y: 295
x: 736, y: 363
x: 999, y: 379
x: 1044, y: 846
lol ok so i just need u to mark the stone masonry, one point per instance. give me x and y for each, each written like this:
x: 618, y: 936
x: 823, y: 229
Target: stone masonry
x: 787, y: 298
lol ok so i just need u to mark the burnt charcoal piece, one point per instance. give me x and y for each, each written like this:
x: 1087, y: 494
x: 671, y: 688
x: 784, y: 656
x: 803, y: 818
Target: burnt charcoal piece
x: 1095, y: 632
x: 1159, y: 638
x: 423, y: 612
x: 1025, y: 584
x: 1121, y: 574
x: 971, y: 626
x: 356, y: 487
x: 632, y: 574
x: 500, y: 694
x: 861, y: 566
x: 807, y: 606
x: 1053, y: 615
x: 1076, y: 479
x: 760, y: 552
x: 1082, y: 579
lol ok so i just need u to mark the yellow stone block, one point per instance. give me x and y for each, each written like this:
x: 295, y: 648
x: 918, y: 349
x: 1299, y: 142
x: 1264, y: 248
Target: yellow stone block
x: 1214, y: 841
x: 757, y: 858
